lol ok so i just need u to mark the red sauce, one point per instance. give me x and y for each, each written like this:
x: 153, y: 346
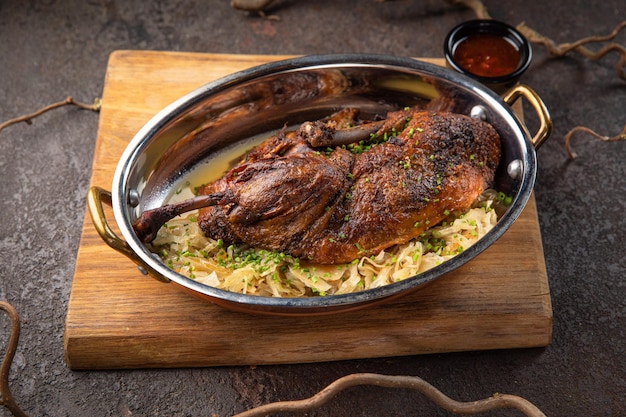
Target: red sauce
x: 487, y: 55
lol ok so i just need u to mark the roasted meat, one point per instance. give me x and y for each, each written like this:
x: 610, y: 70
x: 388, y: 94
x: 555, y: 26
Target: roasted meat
x: 301, y: 193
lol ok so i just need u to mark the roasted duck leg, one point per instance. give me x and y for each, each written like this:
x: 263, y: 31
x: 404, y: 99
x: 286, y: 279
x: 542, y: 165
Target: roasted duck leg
x: 336, y: 130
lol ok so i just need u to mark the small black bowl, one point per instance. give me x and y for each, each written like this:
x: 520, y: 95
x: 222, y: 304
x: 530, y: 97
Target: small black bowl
x: 492, y: 52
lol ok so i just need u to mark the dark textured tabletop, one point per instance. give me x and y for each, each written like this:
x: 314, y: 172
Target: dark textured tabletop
x: 53, y: 49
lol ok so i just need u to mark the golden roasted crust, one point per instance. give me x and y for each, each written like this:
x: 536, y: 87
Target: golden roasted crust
x: 333, y: 207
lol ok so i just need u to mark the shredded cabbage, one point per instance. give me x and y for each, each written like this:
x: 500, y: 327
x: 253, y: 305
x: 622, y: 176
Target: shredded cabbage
x: 183, y: 247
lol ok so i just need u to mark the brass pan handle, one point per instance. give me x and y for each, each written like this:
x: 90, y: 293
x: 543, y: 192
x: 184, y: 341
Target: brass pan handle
x: 545, y: 122
x: 96, y: 197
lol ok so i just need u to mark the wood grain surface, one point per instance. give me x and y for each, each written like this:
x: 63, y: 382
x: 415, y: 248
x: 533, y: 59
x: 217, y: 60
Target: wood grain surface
x: 119, y: 318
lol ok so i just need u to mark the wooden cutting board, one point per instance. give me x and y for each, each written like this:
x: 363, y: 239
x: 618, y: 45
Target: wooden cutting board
x: 119, y: 318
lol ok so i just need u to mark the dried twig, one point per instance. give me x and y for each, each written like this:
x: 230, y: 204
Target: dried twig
x: 568, y: 137
x: 69, y: 101
x: 579, y: 46
x: 497, y: 401
x: 6, y: 398
x: 477, y: 6
x: 250, y: 5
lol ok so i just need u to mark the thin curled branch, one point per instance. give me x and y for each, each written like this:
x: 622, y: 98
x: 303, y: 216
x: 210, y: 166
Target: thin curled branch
x: 69, y: 101
x: 477, y: 6
x: 497, y: 401
x: 6, y: 398
x: 579, y: 46
x: 570, y: 134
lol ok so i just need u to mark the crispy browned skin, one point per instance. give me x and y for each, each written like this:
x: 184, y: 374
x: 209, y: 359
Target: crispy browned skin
x: 333, y: 207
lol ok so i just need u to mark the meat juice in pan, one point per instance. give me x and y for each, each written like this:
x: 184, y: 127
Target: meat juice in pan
x: 213, y: 167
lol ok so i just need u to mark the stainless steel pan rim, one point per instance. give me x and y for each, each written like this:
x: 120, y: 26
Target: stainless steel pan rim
x: 126, y: 195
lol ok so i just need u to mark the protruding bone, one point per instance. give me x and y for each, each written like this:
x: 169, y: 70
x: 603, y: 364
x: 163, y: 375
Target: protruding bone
x: 317, y: 134
x: 148, y: 224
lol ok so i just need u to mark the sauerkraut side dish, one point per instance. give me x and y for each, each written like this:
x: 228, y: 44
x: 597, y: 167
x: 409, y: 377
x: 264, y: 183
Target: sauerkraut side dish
x: 239, y: 268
